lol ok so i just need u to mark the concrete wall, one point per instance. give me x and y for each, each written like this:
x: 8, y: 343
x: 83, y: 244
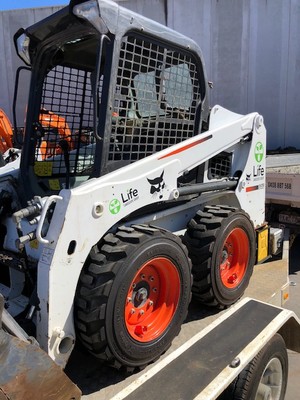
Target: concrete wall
x: 252, y: 53
x: 251, y: 49
x: 10, y: 23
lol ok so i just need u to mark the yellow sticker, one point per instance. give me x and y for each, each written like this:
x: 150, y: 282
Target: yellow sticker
x: 54, y: 184
x: 34, y: 244
x: 43, y: 168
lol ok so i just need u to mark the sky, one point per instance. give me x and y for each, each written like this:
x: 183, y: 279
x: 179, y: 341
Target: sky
x: 14, y: 4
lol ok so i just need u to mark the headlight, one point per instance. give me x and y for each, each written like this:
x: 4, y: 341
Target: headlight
x: 90, y: 11
x: 22, y: 42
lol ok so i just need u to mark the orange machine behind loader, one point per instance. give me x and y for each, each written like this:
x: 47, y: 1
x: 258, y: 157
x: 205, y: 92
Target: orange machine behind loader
x: 6, y: 132
x: 51, y: 124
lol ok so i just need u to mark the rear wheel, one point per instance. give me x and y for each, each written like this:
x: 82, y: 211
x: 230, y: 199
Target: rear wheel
x: 265, y: 377
x: 133, y: 295
x: 222, y: 246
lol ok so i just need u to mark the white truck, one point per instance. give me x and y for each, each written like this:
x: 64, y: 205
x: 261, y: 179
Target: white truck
x: 141, y: 198
x: 283, y: 190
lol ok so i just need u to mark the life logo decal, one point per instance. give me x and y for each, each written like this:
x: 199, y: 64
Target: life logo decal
x: 259, y: 152
x: 127, y: 197
x: 258, y: 170
x: 114, y: 206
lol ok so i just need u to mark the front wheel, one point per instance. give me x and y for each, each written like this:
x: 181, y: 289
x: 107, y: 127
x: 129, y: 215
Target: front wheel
x: 265, y: 377
x: 133, y: 295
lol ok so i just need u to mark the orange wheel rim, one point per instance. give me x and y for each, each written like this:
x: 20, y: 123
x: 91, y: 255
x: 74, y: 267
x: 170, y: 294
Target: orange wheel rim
x: 234, y: 258
x: 152, y: 299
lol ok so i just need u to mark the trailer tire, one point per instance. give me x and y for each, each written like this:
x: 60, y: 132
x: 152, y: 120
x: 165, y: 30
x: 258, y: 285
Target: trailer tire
x: 265, y: 377
x: 133, y: 295
x: 222, y: 246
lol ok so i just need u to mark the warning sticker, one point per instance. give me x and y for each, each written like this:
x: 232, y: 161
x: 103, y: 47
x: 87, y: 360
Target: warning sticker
x: 34, y: 244
x: 54, y: 184
x: 43, y: 168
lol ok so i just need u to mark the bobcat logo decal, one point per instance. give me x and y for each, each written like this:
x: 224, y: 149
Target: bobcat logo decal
x: 157, y: 184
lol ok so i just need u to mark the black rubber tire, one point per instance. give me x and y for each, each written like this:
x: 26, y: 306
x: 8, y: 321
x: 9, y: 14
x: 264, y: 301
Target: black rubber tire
x: 205, y: 239
x: 245, y: 386
x: 101, y: 296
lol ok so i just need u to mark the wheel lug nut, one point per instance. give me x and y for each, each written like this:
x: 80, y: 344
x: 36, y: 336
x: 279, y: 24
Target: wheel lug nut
x: 151, y: 278
x: 142, y: 312
x: 150, y: 303
x: 132, y: 311
x: 143, y: 276
x: 133, y: 285
x: 129, y: 299
x: 154, y: 289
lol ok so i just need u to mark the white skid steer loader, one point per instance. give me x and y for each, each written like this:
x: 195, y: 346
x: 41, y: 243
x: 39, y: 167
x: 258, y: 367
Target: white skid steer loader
x: 143, y: 197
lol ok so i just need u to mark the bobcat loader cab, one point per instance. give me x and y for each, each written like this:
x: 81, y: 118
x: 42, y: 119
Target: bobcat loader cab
x: 106, y: 222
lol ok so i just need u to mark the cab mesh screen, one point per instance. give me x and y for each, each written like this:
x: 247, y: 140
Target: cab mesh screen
x: 66, y: 123
x: 156, y: 99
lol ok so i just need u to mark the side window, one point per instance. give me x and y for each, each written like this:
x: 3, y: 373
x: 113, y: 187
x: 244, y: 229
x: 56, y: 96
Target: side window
x: 157, y: 92
x: 147, y: 98
x: 178, y: 87
x: 157, y: 97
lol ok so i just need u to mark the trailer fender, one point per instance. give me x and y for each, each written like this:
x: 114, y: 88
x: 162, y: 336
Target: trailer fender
x: 290, y: 331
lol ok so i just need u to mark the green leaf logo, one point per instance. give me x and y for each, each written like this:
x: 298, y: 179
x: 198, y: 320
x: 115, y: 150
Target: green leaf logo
x: 259, y: 152
x: 114, y: 206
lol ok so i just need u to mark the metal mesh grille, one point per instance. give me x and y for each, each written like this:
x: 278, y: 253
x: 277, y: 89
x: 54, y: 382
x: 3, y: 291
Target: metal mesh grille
x: 219, y: 166
x: 156, y: 96
x: 66, y: 121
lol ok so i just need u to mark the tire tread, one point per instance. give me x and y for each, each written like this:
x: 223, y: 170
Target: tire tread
x: 96, y: 280
x: 200, y: 238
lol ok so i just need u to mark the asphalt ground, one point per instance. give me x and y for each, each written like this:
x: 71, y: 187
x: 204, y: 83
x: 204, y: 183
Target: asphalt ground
x: 293, y: 389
